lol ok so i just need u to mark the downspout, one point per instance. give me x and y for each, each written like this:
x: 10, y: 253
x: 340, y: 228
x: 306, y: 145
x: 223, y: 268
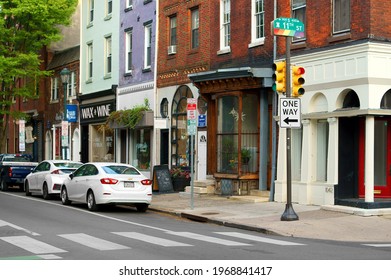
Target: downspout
x: 274, y: 124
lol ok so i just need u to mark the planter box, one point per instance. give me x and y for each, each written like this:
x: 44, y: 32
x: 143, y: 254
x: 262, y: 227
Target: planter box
x: 146, y: 121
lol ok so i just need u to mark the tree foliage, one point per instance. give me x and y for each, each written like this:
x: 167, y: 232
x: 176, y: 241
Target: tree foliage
x: 26, y: 27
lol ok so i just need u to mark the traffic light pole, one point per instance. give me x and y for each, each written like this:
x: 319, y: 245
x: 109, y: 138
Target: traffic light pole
x: 289, y: 214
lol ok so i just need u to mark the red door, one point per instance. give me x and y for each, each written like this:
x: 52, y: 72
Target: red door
x: 382, y: 160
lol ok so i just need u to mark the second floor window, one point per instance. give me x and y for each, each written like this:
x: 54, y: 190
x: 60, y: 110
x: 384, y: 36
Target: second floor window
x: 109, y: 7
x: 225, y: 19
x: 341, y: 16
x: 91, y: 11
x: 173, y: 31
x: 108, y: 55
x: 148, y: 45
x: 298, y: 10
x: 129, y: 51
x: 71, y: 87
x: 195, y: 25
x: 89, y: 60
x: 259, y: 20
x: 54, y: 88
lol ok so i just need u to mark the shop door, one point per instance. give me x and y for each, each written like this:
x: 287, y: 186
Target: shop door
x: 382, y: 160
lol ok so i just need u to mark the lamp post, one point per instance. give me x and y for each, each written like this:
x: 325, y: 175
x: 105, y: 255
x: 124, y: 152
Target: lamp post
x: 64, y: 131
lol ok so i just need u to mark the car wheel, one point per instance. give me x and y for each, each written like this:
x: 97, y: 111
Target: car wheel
x: 3, y: 186
x: 64, y: 196
x: 91, y: 203
x: 142, y: 207
x: 27, y: 188
x: 45, y: 192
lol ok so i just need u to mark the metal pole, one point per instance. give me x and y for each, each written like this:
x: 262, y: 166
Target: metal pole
x: 289, y: 214
x: 192, y: 173
x: 65, y: 115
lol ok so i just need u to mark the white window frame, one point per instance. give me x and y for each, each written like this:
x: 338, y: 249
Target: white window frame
x: 108, y: 56
x: 129, y: 4
x: 225, y: 26
x: 173, y: 29
x: 129, y: 51
x: 147, y: 45
x: 109, y: 7
x: 90, y: 11
x: 90, y: 61
x: 296, y: 8
x: 71, y: 86
x: 256, y: 28
x: 339, y: 6
x: 54, y: 88
x: 195, y: 28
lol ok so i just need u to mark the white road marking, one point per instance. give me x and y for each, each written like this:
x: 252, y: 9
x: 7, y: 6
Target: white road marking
x: 4, y: 223
x: 378, y: 245
x: 207, y: 238
x: 30, y: 244
x: 151, y: 239
x: 93, y: 242
x: 259, y: 239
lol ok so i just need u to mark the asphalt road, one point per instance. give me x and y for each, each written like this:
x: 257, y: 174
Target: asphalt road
x: 32, y: 228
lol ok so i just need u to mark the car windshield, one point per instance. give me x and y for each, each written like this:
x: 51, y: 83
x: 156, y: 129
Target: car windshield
x: 120, y: 169
x: 68, y: 164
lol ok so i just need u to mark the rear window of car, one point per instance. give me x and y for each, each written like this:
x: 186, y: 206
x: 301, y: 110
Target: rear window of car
x: 17, y: 158
x: 68, y: 164
x: 120, y: 169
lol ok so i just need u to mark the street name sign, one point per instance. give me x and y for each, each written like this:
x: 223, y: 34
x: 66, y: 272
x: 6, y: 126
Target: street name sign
x: 290, y: 27
x: 290, y: 113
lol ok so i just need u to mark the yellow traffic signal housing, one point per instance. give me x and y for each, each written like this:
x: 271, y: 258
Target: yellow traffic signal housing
x: 297, y: 81
x: 279, y: 76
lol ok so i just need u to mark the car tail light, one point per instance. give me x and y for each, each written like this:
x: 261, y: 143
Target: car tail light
x: 146, y: 182
x: 109, y: 181
x: 55, y: 171
x: 10, y: 172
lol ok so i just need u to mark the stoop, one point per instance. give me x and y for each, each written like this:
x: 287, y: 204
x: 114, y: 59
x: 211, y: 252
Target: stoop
x: 202, y: 187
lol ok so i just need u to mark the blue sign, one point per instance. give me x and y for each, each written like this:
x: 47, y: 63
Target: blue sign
x: 71, y: 113
x: 201, y: 120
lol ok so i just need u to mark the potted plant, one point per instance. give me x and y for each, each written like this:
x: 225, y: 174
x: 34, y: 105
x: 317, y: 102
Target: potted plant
x: 245, y: 155
x: 128, y: 118
x: 180, y: 178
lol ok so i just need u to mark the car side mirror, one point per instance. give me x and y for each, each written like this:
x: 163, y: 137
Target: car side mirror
x: 71, y: 176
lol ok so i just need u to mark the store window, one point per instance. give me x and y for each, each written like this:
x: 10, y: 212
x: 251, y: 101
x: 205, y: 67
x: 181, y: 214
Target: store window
x: 102, y: 146
x: 180, y: 145
x: 142, y: 151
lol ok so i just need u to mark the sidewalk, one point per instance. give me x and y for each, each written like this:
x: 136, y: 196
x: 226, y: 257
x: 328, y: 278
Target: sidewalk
x: 335, y: 222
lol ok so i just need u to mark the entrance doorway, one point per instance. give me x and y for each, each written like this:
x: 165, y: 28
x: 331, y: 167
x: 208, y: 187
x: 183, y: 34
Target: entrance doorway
x: 382, y: 160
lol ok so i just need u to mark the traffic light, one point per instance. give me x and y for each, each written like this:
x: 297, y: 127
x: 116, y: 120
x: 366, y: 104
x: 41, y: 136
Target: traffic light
x: 297, y: 81
x: 279, y: 75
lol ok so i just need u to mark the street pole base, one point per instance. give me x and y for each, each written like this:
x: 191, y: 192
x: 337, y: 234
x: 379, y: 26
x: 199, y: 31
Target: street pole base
x: 289, y: 214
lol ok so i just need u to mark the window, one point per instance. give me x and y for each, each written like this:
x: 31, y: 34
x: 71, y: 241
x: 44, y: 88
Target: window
x: 109, y: 7
x: 164, y: 108
x: 257, y: 21
x: 322, y: 133
x: 89, y: 61
x: 298, y: 11
x: 148, y: 45
x: 297, y: 140
x: 54, y: 88
x: 129, y: 50
x: 195, y: 25
x: 129, y: 4
x: 71, y: 86
x: 341, y: 16
x: 225, y: 22
x: 108, y: 55
x: 143, y: 149
x: 173, y: 31
x: 91, y: 11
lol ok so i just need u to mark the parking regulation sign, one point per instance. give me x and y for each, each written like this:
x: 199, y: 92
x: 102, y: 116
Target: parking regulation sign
x: 290, y: 113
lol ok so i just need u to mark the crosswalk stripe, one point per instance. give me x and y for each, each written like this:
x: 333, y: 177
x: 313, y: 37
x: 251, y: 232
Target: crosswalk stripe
x: 152, y: 239
x: 93, y: 242
x: 207, y: 238
x: 258, y: 238
x: 378, y: 245
x: 30, y: 244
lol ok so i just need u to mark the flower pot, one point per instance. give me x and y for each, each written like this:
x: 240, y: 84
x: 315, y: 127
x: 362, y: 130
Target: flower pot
x: 179, y: 184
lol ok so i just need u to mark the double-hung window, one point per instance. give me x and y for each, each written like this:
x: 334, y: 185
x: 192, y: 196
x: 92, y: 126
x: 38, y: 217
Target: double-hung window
x: 225, y: 24
x: 129, y: 4
x: 54, y: 88
x: 129, y: 50
x: 257, y: 22
x: 147, y: 45
x: 71, y: 86
x: 89, y: 61
x: 108, y: 55
x: 341, y: 16
x: 90, y: 11
x: 298, y: 11
x: 173, y: 24
x: 109, y: 7
x: 195, y: 26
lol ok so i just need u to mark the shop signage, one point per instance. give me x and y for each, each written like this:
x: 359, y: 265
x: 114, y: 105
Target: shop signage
x: 72, y: 113
x: 96, y: 112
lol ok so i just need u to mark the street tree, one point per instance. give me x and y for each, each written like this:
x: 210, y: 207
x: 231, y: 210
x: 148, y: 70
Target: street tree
x: 26, y: 27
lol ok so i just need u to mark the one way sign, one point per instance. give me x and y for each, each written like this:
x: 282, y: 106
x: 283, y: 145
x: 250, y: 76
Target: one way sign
x: 290, y: 113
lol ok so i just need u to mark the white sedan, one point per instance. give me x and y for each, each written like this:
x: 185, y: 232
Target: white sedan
x: 98, y: 183
x: 48, y: 176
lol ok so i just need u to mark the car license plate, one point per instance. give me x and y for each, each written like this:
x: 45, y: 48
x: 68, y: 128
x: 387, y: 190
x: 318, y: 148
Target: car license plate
x: 129, y: 184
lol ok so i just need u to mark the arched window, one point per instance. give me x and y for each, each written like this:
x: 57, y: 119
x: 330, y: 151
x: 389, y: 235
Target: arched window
x: 351, y: 100
x: 386, y: 100
x: 180, y: 146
